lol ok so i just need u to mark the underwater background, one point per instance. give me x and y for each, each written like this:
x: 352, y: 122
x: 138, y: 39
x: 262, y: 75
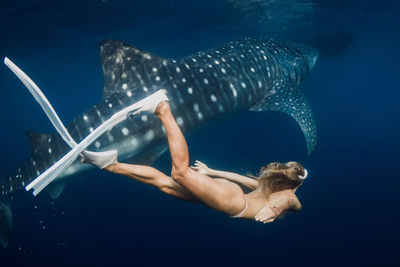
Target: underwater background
x: 350, y: 213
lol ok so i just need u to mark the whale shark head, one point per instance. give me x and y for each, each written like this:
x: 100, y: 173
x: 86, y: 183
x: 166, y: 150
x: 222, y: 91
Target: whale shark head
x: 297, y: 60
x: 309, y: 53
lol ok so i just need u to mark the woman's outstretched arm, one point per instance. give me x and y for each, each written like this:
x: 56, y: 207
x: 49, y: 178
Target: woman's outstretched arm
x: 231, y: 176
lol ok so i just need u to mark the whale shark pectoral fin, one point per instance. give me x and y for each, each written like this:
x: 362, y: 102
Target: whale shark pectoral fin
x: 5, y: 224
x: 125, y: 66
x: 291, y: 101
x: 55, y: 190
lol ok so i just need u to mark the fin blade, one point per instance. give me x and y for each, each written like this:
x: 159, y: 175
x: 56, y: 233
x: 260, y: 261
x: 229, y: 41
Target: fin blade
x: 291, y: 101
x: 42, y: 101
x: 124, y: 64
x: 55, y: 190
x: 5, y: 224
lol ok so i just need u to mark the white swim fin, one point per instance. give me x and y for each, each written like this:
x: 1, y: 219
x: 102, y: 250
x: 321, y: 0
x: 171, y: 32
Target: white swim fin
x: 147, y: 104
x: 151, y: 102
x: 42, y: 100
x: 99, y: 159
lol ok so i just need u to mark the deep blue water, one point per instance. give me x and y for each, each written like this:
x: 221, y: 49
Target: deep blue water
x: 350, y: 213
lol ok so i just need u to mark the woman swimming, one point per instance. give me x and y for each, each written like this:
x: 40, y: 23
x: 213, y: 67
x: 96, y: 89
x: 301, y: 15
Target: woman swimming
x: 272, y: 195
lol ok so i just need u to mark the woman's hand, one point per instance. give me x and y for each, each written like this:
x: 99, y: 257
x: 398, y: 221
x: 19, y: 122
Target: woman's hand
x: 201, y: 168
x: 266, y: 215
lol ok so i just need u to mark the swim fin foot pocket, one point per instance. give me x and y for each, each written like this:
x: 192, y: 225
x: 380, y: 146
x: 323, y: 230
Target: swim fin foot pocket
x: 150, y: 103
x: 100, y: 159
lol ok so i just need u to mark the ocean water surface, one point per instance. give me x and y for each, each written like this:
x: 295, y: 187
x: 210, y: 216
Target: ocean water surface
x: 350, y: 214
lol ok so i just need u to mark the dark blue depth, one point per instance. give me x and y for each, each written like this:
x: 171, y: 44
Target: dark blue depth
x: 350, y: 214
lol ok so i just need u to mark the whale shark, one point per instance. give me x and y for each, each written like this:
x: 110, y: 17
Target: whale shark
x: 248, y: 74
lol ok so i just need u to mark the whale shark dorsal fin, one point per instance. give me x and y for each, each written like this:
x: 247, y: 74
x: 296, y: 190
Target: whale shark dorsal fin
x: 126, y: 66
x: 37, y: 140
x: 287, y: 99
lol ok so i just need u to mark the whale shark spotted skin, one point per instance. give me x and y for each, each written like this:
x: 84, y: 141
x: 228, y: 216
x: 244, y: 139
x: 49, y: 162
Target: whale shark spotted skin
x: 249, y: 74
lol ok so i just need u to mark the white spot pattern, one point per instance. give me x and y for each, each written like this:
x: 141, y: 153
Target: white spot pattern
x: 134, y: 141
x: 125, y: 131
x: 233, y: 90
x: 179, y: 120
x: 97, y: 144
x: 149, y: 135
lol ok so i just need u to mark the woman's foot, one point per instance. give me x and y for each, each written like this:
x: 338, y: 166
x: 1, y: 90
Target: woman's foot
x: 151, y: 102
x: 162, y: 108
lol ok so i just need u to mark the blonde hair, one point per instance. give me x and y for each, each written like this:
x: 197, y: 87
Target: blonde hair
x: 276, y: 176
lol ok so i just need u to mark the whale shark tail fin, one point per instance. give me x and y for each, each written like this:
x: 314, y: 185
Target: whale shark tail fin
x: 288, y: 99
x: 5, y: 224
x: 122, y: 62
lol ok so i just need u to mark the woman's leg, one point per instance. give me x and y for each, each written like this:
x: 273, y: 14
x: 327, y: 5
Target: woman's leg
x: 225, y: 197
x: 153, y: 177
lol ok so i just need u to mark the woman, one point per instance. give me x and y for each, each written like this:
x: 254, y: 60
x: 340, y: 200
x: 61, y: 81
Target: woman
x: 272, y: 195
